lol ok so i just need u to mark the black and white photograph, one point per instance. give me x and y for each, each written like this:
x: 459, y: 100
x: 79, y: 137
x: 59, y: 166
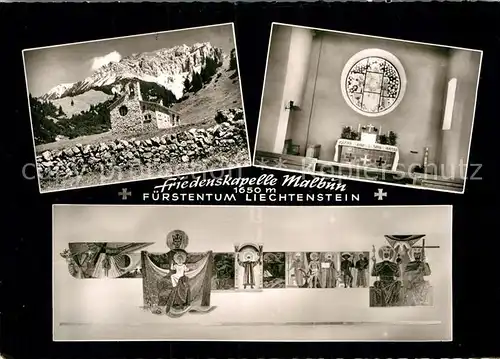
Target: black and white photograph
x: 314, y: 274
x: 368, y: 108
x: 244, y: 175
x: 135, y: 108
x: 92, y: 260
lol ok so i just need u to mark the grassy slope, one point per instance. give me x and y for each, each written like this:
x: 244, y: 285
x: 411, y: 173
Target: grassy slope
x: 81, y: 102
x: 221, y: 93
x: 196, y: 111
x: 109, y: 137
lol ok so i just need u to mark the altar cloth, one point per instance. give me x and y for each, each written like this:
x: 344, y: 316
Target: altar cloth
x: 373, y: 155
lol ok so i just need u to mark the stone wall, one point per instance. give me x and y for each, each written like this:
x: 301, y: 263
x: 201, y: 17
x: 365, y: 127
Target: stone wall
x: 195, y: 144
x: 148, y: 125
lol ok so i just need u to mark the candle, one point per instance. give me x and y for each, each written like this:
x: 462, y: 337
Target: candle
x: 380, y: 129
x: 359, y: 127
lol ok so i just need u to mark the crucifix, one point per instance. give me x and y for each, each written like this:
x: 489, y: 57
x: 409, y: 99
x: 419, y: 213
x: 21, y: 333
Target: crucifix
x: 423, y: 247
x: 380, y: 161
x: 370, y: 128
x: 365, y: 159
x: 349, y: 157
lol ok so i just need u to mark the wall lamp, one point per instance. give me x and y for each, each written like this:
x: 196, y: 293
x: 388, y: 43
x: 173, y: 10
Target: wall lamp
x: 290, y: 106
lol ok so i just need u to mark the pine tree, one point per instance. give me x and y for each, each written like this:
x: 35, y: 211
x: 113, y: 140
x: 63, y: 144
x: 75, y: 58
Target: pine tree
x: 196, y: 82
x: 233, y: 65
x: 72, y: 102
x: 209, y: 70
x: 168, y: 98
x: 61, y: 112
x: 187, y: 84
x: 211, y: 67
x: 218, y: 53
x: 205, y: 76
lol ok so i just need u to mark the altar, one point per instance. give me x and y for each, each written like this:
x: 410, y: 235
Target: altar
x: 366, y: 154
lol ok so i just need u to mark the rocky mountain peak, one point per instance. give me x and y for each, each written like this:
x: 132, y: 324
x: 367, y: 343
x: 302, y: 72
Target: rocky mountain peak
x: 167, y: 67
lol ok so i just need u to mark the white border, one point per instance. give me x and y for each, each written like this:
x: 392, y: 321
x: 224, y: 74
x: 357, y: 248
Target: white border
x: 256, y: 341
x: 354, y: 178
x: 148, y: 178
x: 386, y: 55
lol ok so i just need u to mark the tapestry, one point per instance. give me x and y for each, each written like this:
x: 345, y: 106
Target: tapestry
x: 176, y: 283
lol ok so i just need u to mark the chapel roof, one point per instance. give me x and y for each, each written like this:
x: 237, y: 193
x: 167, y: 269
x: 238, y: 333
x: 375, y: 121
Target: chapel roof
x: 156, y: 105
x: 117, y: 102
x: 159, y: 106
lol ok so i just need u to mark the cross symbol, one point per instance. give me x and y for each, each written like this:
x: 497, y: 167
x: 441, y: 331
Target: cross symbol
x: 365, y: 159
x: 262, y: 161
x: 349, y: 157
x: 308, y: 165
x: 423, y: 246
x: 280, y: 163
x: 124, y: 193
x: 370, y: 128
x: 380, y: 161
x: 380, y: 194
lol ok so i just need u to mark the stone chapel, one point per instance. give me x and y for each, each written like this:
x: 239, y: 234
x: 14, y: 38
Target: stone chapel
x: 130, y: 114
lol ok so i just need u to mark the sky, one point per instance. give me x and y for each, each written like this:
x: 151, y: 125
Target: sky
x: 50, y: 66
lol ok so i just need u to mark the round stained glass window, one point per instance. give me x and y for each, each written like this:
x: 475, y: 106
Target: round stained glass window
x: 373, y: 82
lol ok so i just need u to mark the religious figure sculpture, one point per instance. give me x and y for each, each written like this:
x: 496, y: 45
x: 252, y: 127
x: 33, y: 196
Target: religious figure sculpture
x: 177, y: 282
x: 416, y: 290
x: 298, y: 268
x: 346, y: 266
x: 248, y: 257
x: 402, y: 259
x: 362, y: 268
x: 314, y: 270
x: 329, y: 272
x: 385, y: 292
x: 106, y: 265
x: 174, y: 290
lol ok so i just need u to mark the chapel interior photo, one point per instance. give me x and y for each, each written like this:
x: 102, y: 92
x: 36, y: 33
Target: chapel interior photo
x: 367, y: 107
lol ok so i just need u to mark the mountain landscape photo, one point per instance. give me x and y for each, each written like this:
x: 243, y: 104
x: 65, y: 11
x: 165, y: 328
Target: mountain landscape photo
x: 192, y: 87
